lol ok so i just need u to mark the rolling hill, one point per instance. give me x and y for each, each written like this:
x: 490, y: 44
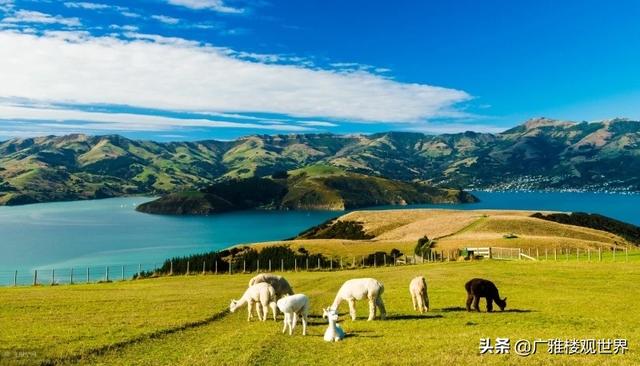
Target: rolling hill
x: 539, y: 154
x: 317, y: 187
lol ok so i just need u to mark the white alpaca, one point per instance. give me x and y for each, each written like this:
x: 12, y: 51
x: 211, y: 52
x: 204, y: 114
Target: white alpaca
x: 358, y: 289
x: 419, y: 296
x: 263, y: 295
x: 334, y: 332
x: 292, y: 307
x: 279, y: 283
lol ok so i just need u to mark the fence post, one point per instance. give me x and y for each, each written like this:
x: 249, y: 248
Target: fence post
x: 281, y: 264
x: 307, y: 263
x: 35, y: 277
x: 375, y: 261
x: 258, y: 266
x: 555, y: 254
x: 123, y: 273
x: 341, y: 267
x: 230, y: 265
x: 626, y: 254
x: 53, y: 276
x: 331, y: 263
x: 15, y: 278
x: 71, y: 277
x: 244, y: 266
x: 394, y: 259
x: 353, y: 262
x: 567, y: 253
x: 204, y: 267
x: 589, y: 254
x: 318, y: 262
x: 384, y: 259
x: 187, y: 273
x: 295, y: 264
x: 537, y: 254
x: 363, y: 261
x: 269, y: 265
x: 171, y: 268
x: 88, y: 275
x: 599, y: 254
x: 546, y: 255
x: 615, y: 249
x: 216, y: 266
x: 139, y: 270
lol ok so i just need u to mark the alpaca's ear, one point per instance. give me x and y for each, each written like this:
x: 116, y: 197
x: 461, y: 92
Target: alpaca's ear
x: 505, y: 299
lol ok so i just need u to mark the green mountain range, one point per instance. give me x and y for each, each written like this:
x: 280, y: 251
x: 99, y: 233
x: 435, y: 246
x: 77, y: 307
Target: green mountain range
x: 539, y: 154
x: 310, y: 188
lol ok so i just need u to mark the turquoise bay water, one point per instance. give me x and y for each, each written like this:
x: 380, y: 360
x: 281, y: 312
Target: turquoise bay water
x: 91, y: 233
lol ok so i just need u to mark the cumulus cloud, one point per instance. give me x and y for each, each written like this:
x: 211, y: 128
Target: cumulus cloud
x: 215, y: 5
x: 29, y: 16
x: 180, y: 75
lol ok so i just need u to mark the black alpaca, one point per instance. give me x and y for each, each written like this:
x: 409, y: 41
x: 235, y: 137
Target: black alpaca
x: 477, y: 288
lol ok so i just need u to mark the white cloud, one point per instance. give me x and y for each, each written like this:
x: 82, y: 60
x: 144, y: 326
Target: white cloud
x: 28, y: 16
x: 87, y: 5
x: 166, y: 19
x: 41, y: 117
x: 179, y: 75
x: 215, y: 5
x: 6, y: 5
x: 318, y: 124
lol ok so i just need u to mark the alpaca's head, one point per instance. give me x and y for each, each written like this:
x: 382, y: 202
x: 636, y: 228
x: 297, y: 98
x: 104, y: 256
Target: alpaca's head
x: 330, y: 313
x: 502, y: 303
x: 233, y: 306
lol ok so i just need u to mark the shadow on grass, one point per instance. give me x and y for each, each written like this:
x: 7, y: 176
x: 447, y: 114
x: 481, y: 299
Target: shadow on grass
x: 413, y: 316
x: 460, y: 308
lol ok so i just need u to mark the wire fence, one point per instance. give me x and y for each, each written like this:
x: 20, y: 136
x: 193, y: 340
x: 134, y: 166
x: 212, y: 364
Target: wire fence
x: 110, y: 273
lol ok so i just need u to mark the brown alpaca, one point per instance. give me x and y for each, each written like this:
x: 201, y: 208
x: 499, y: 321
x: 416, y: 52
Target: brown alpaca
x: 477, y: 288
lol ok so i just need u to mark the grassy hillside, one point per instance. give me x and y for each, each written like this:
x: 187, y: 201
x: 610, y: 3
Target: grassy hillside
x: 539, y: 154
x: 182, y: 320
x: 384, y: 230
x: 317, y: 187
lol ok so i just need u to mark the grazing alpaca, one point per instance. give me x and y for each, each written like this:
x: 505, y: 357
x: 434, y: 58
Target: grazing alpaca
x: 281, y: 285
x: 292, y: 307
x: 263, y: 295
x: 419, y: 296
x: 358, y: 289
x: 477, y: 288
x: 334, y: 332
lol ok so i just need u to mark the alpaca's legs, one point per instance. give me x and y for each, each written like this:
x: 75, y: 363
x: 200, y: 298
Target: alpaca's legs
x: 425, y: 302
x: 469, y: 300
x: 352, y: 308
x: 294, y: 322
x: 372, y: 309
x: 380, y: 304
x: 265, y: 312
x: 259, y: 310
x: 419, y: 305
x: 274, y: 309
x: 249, y: 310
x: 286, y: 322
x: 304, y: 324
x: 413, y: 300
x: 476, y: 303
x: 489, y: 304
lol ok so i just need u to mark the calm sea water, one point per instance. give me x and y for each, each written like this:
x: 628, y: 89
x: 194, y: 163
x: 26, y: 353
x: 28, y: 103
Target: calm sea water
x: 83, y: 233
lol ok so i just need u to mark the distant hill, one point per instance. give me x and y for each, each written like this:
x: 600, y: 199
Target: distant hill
x: 539, y: 154
x: 316, y: 187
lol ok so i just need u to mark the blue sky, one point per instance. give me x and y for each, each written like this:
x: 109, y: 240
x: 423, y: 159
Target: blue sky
x: 199, y: 69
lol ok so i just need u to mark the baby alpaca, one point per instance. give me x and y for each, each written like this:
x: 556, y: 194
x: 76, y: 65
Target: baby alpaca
x: 334, y: 332
x: 279, y: 283
x: 358, y: 289
x: 419, y: 296
x: 292, y: 307
x: 263, y: 295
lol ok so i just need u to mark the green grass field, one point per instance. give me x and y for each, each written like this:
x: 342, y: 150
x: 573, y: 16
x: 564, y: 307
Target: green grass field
x: 183, y: 320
